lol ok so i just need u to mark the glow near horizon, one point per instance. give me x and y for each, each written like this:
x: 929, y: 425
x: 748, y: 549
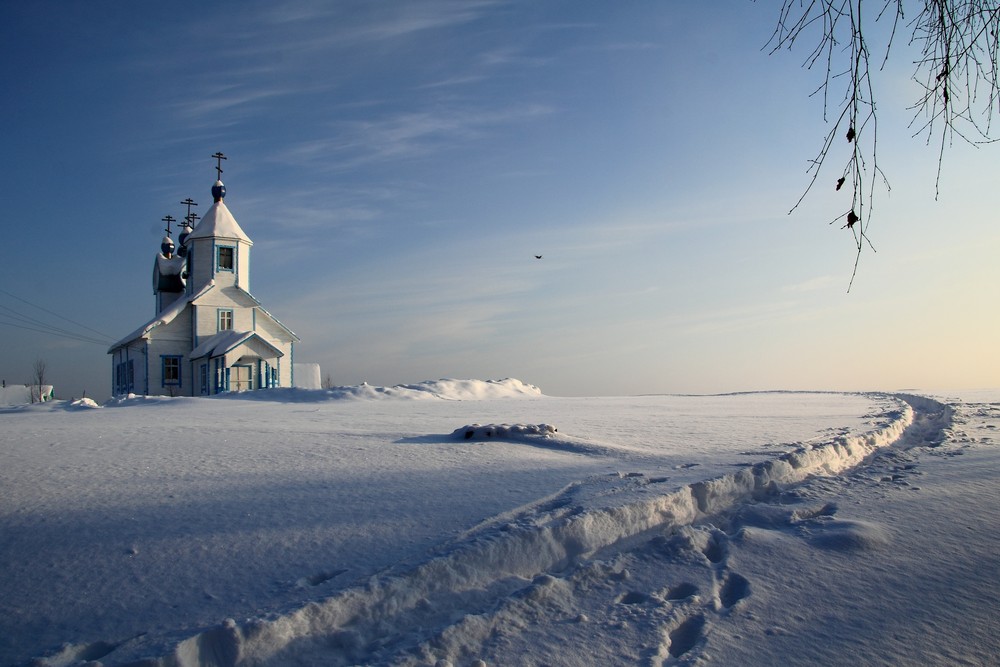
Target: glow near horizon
x: 399, y: 166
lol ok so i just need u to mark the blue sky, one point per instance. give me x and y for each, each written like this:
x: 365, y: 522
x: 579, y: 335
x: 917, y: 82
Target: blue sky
x: 398, y: 165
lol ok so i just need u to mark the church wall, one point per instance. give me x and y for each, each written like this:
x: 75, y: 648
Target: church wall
x: 202, y: 261
x: 170, y: 340
x: 199, y: 264
x: 270, y: 330
x: 128, y: 369
x: 243, y: 260
x: 207, y: 318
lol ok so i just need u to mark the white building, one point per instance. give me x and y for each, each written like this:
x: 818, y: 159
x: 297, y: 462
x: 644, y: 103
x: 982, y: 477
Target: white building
x: 209, y: 335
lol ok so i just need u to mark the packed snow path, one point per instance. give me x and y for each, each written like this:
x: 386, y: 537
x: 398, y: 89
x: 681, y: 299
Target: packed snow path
x: 615, y: 568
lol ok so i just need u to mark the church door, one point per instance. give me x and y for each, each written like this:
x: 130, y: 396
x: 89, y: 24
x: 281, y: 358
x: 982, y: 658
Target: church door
x: 241, y: 378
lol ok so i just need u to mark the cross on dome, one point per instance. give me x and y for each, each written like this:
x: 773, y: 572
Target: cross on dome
x: 219, y: 189
x: 189, y: 203
x: 219, y: 157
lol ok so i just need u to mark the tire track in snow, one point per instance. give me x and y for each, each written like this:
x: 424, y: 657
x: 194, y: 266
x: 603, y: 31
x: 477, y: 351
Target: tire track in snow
x: 442, y: 608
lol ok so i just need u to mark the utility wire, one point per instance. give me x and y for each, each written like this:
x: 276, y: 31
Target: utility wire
x: 33, y: 305
x: 34, y: 324
x: 56, y: 333
x: 39, y: 325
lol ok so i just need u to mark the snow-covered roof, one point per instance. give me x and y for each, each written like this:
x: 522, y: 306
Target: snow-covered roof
x: 225, y: 341
x: 218, y: 222
x: 165, y: 316
x: 168, y: 270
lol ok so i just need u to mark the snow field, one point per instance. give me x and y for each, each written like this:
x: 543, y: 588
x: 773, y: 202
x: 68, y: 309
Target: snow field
x: 500, y: 563
x: 359, y: 526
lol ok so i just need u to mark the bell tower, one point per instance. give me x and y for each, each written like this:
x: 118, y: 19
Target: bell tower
x: 218, y: 249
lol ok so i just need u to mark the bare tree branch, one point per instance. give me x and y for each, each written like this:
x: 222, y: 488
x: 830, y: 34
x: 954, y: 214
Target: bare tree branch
x: 959, y: 42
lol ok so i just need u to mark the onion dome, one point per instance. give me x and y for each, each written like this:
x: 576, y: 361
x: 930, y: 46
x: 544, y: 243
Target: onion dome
x: 218, y: 222
x: 167, y: 246
x: 186, y: 230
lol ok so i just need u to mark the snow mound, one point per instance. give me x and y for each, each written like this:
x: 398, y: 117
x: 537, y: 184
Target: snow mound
x: 544, y: 436
x: 445, y: 389
x: 455, y: 390
x: 84, y: 404
x: 140, y: 399
x: 502, y: 431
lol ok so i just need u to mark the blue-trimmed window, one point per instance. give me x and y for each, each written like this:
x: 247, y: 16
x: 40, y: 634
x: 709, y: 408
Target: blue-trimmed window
x: 225, y: 258
x: 225, y: 319
x: 124, y: 377
x: 171, y: 370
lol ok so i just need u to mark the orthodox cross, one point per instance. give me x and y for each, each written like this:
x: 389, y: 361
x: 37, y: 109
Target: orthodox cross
x: 190, y: 217
x: 219, y: 157
x: 168, y: 219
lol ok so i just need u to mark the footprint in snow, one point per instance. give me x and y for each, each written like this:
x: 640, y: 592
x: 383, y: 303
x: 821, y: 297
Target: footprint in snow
x: 682, y: 592
x: 634, y: 597
x: 686, y: 636
x: 716, y: 549
x: 734, y: 588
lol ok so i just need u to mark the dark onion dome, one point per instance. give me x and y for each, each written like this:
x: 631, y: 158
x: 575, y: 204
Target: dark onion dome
x: 218, y: 191
x: 186, y: 230
x: 167, y: 246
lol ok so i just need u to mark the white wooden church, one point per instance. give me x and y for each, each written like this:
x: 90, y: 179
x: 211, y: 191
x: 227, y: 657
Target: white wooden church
x: 209, y: 335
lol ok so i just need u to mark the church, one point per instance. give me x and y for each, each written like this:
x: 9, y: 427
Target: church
x: 209, y: 335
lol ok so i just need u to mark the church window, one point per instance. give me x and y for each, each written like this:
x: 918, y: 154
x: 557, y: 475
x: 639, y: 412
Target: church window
x: 225, y: 319
x: 226, y: 258
x: 124, y: 377
x: 171, y: 370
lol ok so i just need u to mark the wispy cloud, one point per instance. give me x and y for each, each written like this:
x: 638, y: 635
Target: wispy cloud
x: 406, y: 134
x: 293, y: 48
x: 814, y: 284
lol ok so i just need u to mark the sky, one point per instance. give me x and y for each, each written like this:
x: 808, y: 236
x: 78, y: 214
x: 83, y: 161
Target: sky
x: 399, y: 165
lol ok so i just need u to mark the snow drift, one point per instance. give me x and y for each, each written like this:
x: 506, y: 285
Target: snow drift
x: 444, y: 389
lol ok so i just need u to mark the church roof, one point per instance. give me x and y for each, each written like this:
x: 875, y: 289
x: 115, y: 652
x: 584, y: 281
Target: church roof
x: 225, y: 341
x: 168, y: 314
x: 165, y: 316
x: 220, y: 223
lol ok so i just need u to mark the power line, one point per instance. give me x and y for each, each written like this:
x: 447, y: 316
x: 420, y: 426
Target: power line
x: 34, y: 324
x: 52, y: 332
x: 38, y: 325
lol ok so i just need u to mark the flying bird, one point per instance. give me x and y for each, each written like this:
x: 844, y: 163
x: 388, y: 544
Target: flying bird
x: 538, y: 256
